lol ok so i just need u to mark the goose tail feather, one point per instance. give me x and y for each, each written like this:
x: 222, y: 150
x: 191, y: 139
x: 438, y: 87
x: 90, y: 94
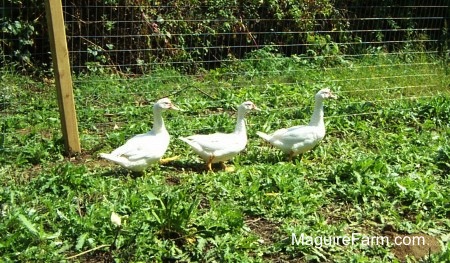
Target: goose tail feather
x: 263, y: 135
x: 114, y: 158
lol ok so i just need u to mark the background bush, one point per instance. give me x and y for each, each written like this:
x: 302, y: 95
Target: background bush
x: 185, y: 31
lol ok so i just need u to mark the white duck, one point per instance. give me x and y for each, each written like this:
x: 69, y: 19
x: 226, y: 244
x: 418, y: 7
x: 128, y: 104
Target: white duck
x: 300, y: 139
x: 220, y: 147
x: 144, y: 149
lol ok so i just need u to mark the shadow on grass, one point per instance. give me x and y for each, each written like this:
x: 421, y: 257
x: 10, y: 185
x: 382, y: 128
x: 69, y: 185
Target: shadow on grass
x: 122, y: 172
x: 192, y: 167
x: 183, y: 166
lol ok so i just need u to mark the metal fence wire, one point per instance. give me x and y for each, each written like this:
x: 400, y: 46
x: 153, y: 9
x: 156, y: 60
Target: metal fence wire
x: 134, y: 39
x: 138, y: 39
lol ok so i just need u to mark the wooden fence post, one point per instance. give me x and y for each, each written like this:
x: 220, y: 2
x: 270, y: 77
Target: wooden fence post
x: 63, y: 77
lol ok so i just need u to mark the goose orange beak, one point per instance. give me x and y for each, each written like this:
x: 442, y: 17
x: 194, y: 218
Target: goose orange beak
x: 173, y: 107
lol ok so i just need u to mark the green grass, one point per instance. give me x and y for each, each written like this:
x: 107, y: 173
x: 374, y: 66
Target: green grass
x: 382, y: 168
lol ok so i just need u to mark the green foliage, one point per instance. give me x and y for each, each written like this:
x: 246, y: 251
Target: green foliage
x: 173, y: 214
x: 21, y: 26
x: 383, y: 165
x: 189, y: 35
x: 170, y: 31
x: 442, y: 160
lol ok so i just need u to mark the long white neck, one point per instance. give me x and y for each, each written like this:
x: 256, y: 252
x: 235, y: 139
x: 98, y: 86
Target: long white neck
x: 317, y: 116
x: 158, y: 122
x: 240, y: 125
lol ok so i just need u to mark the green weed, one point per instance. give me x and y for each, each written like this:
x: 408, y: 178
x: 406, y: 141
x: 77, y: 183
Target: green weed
x: 382, y: 168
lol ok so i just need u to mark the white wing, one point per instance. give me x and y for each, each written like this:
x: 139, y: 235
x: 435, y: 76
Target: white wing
x: 142, y: 146
x: 216, y: 141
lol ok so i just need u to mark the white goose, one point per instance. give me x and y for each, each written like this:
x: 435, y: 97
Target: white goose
x: 144, y: 149
x: 300, y: 139
x: 220, y: 147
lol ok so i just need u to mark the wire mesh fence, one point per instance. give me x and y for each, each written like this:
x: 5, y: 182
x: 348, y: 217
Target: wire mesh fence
x: 139, y: 40
x: 149, y: 49
x: 20, y: 43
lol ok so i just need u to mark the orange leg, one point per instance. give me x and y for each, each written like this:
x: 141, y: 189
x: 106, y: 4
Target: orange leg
x: 168, y: 160
x: 208, y: 164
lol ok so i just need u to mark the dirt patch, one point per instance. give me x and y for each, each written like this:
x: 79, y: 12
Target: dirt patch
x: 97, y: 257
x: 34, y: 171
x: 415, y: 246
x: 270, y: 233
x: 173, y: 180
x: 204, y: 203
x: 265, y: 229
x: 92, y: 162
